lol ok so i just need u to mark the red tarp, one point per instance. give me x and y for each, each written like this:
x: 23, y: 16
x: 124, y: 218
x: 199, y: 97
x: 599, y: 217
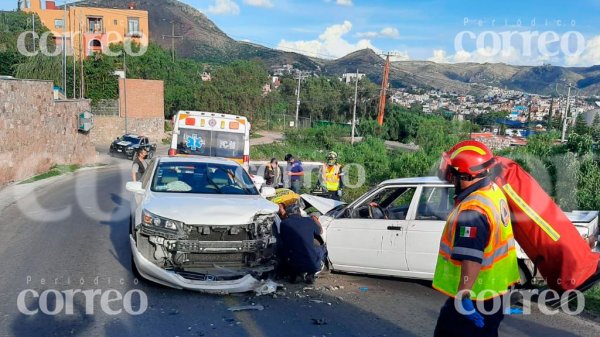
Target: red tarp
x: 544, y: 232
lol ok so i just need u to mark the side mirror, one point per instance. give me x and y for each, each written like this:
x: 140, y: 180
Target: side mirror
x: 135, y: 187
x: 267, y: 192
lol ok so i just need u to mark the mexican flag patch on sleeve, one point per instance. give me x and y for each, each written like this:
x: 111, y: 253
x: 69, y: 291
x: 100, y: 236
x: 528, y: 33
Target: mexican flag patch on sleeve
x: 468, y: 232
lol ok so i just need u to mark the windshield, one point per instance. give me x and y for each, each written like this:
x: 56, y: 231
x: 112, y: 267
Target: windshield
x: 211, y: 143
x: 202, y: 178
x: 132, y: 140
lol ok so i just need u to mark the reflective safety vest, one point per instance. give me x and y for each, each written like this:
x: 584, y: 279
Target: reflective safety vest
x: 331, y: 177
x: 499, y: 269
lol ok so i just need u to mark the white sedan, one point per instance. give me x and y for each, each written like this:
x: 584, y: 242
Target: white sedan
x: 199, y: 223
x: 395, y: 228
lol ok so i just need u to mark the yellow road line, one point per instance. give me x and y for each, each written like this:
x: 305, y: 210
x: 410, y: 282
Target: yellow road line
x: 249, y: 324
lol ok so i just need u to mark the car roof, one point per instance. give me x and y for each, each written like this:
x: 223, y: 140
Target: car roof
x: 415, y: 181
x: 131, y: 135
x: 197, y: 159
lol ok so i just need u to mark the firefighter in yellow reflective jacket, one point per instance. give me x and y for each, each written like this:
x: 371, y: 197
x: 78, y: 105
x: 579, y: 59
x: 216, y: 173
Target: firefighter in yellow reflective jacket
x: 330, y: 177
x: 477, y: 261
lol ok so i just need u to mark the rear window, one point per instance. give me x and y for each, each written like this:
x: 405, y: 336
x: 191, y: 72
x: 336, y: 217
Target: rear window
x: 202, y: 178
x: 211, y: 143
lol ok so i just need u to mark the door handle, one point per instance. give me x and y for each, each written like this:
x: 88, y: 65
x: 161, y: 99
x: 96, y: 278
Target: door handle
x: 394, y: 228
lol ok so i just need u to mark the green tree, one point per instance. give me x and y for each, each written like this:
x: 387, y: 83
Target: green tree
x: 581, y: 127
x: 596, y: 127
x: 580, y: 144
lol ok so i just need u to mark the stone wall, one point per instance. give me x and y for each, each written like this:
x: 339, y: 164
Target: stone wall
x: 107, y: 128
x: 37, y: 132
x: 106, y: 107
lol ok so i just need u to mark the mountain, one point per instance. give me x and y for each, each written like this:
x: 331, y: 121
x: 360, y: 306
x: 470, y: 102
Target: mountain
x: 204, y: 41
x: 469, y: 77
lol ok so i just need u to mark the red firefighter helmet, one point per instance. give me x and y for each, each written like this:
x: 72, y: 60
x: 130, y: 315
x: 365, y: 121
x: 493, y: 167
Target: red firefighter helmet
x: 466, y: 160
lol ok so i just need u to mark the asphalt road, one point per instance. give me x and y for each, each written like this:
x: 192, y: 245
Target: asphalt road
x: 73, y: 234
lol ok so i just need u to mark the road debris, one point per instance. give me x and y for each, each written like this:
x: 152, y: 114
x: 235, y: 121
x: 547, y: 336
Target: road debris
x: 246, y: 307
x: 267, y: 287
x: 319, y: 321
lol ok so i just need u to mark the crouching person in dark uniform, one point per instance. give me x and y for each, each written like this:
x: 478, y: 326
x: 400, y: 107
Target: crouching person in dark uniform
x: 298, y: 252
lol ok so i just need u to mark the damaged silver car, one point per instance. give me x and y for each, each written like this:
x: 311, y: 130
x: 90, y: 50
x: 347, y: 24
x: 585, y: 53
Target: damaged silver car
x: 201, y: 224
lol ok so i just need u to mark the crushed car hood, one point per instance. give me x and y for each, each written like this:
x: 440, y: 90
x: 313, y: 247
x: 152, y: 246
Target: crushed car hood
x: 323, y: 205
x: 208, y: 209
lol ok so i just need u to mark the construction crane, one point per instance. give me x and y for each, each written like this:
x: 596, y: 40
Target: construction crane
x: 384, y: 86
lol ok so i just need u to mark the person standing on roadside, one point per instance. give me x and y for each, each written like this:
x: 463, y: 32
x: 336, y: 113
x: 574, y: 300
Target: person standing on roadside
x: 477, y: 259
x: 295, y: 173
x: 139, y: 164
x: 330, y: 176
x: 273, y: 176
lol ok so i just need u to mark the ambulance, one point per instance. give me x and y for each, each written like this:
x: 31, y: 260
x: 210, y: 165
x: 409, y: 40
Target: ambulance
x: 211, y: 134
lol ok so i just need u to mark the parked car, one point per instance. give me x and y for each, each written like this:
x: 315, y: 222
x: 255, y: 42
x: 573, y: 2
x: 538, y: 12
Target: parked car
x: 129, y: 144
x: 199, y: 223
x: 395, y: 228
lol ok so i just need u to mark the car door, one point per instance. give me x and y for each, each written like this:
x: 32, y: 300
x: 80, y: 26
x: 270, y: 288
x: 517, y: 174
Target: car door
x: 368, y: 242
x: 423, y: 234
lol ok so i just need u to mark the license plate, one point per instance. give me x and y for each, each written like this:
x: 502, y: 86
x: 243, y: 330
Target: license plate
x: 119, y: 150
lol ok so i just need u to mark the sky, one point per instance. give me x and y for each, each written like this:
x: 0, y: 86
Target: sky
x: 523, y: 32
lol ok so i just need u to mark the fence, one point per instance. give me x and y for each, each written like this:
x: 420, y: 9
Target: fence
x: 283, y: 122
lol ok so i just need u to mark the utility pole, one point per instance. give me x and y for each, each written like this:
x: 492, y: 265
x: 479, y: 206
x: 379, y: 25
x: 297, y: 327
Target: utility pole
x: 565, y: 117
x: 298, y: 99
x: 172, y: 37
x: 384, y: 85
x: 125, y: 87
x: 65, y: 48
x: 81, y: 57
x: 74, y: 59
x: 33, y: 30
x: 354, y: 109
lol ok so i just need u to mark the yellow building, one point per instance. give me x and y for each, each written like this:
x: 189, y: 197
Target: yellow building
x: 90, y: 29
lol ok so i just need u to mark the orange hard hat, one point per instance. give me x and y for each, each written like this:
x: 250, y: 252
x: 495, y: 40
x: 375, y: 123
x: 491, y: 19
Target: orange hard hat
x: 468, y: 160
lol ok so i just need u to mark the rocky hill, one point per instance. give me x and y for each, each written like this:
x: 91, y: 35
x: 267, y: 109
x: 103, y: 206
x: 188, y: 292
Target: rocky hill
x: 204, y: 41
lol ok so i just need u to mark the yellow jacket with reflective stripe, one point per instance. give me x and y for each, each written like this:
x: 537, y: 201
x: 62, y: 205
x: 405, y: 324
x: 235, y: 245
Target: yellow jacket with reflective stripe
x: 499, y: 269
x: 330, y: 176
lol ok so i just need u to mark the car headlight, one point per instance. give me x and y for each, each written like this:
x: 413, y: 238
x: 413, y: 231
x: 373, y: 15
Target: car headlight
x: 155, y: 221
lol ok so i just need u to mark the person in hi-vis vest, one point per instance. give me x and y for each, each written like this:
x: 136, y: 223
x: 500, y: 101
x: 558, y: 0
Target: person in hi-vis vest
x: 330, y: 177
x: 477, y: 261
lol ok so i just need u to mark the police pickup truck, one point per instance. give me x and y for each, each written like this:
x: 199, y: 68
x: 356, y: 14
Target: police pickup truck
x: 129, y: 144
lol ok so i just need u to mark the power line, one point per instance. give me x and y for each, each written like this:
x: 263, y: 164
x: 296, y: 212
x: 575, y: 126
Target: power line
x: 172, y: 37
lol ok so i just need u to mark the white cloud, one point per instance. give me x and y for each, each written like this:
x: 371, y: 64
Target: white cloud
x: 224, y: 7
x: 259, y: 3
x: 342, y: 2
x: 330, y: 44
x: 387, y: 32
x: 590, y: 55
